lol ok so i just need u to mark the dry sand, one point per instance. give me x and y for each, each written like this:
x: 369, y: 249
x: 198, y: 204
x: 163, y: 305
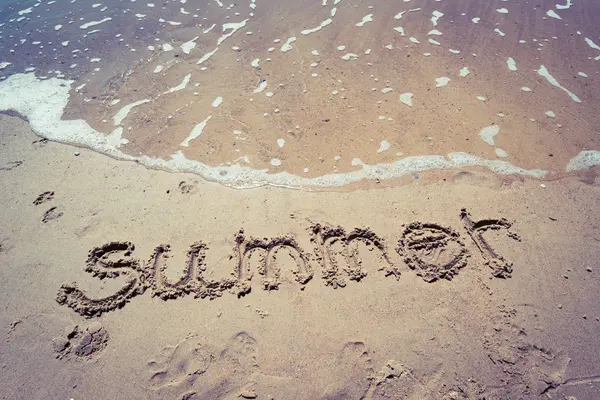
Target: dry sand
x: 532, y: 334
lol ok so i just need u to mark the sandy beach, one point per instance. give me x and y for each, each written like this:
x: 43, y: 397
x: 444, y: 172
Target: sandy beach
x: 331, y: 200
x: 530, y: 335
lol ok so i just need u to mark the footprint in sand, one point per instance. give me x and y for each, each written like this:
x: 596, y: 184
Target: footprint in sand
x: 188, y: 187
x: 192, y: 370
x: 352, y: 376
x: 43, y: 198
x: 83, y: 342
x: 51, y: 215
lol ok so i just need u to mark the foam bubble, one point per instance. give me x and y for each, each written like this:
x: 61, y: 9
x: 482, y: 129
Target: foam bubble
x: 366, y: 18
x: 487, y: 134
x: 544, y: 72
x: 287, y: 46
x: 217, y: 102
x: 512, y: 65
x: 196, y: 132
x: 120, y: 116
x: 94, y: 23
x: 442, y: 81
x: 406, y: 98
x: 584, y: 160
x: 383, y: 146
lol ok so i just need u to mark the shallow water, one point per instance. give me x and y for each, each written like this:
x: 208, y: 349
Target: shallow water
x: 311, y: 94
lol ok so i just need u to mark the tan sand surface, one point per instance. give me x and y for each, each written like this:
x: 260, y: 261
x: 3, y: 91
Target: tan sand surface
x: 321, y: 315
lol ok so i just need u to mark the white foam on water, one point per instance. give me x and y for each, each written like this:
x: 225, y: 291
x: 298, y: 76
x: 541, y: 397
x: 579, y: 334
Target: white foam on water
x: 501, y: 153
x: 544, y: 72
x: 553, y: 14
x: 591, y: 43
x: 564, y: 7
x: 366, y: 18
x: 281, y: 142
x: 476, y: 20
x: 181, y: 86
x: 383, y: 146
x: 464, y: 71
x: 436, y: 15
x: 512, y: 65
x: 287, y: 46
x: 261, y: 86
x: 217, y: 102
x: 442, y: 81
x: 115, y: 138
x: 323, y: 24
x: 499, y: 32
x: 349, y: 56
x: 584, y: 160
x: 434, y: 42
x: 487, y: 134
x: 43, y: 103
x: 189, y: 45
x: 94, y: 23
x: 210, y: 28
x: 502, y: 10
x: 123, y: 112
x: 232, y: 27
x: 276, y: 162
x: 406, y: 98
x: 550, y: 114
x: 196, y: 132
x: 206, y: 57
x: 434, y: 32
x: 158, y: 69
x: 400, y: 30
